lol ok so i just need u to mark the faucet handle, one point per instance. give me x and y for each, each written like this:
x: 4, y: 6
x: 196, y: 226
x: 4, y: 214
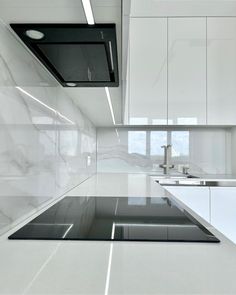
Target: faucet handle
x: 185, y: 169
x: 171, y: 166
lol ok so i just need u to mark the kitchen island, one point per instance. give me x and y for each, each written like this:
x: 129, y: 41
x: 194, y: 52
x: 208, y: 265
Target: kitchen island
x: 89, y: 267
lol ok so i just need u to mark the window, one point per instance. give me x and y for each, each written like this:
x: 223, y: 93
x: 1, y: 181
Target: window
x: 180, y: 143
x: 148, y: 143
x: 157, y: 139
x: 137, y: 142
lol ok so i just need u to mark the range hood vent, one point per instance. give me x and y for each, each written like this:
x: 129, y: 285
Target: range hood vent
x: 77, y: 55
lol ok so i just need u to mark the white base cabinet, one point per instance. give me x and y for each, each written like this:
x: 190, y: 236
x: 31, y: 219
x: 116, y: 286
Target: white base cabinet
x: 223, y: 210
x: 196, y: 198
x: 217, y: 205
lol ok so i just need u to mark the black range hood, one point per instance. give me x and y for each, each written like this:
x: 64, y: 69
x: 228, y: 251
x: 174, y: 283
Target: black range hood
x: 78, y: 55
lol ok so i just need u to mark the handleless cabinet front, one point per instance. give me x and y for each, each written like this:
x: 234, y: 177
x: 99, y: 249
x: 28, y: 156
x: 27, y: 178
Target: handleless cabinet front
x: 221, y: 70
x: 187, y: 71
x: 148, y: 71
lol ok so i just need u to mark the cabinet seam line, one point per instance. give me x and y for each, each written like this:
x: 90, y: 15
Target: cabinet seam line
x: 206, y: 74
x: 167, y: 73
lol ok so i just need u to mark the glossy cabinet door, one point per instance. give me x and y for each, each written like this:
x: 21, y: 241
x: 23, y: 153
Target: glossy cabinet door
x: 221, y: 70
x: 187, y: 71
x: 223, y: 210
x: 148, y: 71
x: 196, y: 198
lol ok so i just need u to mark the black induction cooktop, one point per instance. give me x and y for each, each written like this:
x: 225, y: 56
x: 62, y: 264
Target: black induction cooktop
x: 115, y: 218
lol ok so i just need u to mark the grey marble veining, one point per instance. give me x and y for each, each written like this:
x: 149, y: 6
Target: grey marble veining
x: 134, y: 150
x: 47, y: 146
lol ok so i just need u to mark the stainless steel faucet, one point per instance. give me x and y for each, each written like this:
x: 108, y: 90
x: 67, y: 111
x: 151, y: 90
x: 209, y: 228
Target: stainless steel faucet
x: 167, y: 155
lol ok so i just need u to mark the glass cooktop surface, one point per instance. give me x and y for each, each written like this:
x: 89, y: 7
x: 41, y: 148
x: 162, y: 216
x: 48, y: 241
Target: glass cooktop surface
x: 115, y: 218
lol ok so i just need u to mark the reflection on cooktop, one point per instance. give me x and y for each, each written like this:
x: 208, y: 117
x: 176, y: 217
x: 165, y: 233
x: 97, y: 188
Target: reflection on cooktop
x: 115, y: 218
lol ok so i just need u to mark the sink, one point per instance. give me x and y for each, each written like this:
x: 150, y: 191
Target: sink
x: 173, y: 176
x: 191, y: 176
x: 190, y: 180
x: 177, y: 179
x: 194, y: 182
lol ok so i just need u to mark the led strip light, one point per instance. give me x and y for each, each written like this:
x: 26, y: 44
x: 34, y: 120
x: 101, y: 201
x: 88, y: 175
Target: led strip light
x: 88, y: 12
x: 90, y: 20
x: 45, y: 105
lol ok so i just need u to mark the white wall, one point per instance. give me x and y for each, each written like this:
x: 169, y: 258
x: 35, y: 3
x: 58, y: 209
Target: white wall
x: 205, y: 150
x: 46, y: 143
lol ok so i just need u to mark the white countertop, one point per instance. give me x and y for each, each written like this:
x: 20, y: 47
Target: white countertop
x: 89, y: 267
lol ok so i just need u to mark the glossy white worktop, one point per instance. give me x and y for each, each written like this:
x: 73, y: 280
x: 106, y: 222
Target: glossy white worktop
x: 81, y: 267
x: 119, y: 184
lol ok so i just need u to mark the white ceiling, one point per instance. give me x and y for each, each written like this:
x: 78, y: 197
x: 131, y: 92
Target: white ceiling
x: 92, y: 101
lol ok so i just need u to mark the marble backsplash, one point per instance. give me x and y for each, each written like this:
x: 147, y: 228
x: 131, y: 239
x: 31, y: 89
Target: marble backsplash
x: 47, y: 146
x: 136, y: 150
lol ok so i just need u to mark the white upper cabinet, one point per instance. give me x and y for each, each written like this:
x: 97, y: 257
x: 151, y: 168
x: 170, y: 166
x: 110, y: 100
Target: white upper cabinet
x: 187, y: 71
x: 148, y: 71
x: 221, y: 70
x: 182, y: 71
